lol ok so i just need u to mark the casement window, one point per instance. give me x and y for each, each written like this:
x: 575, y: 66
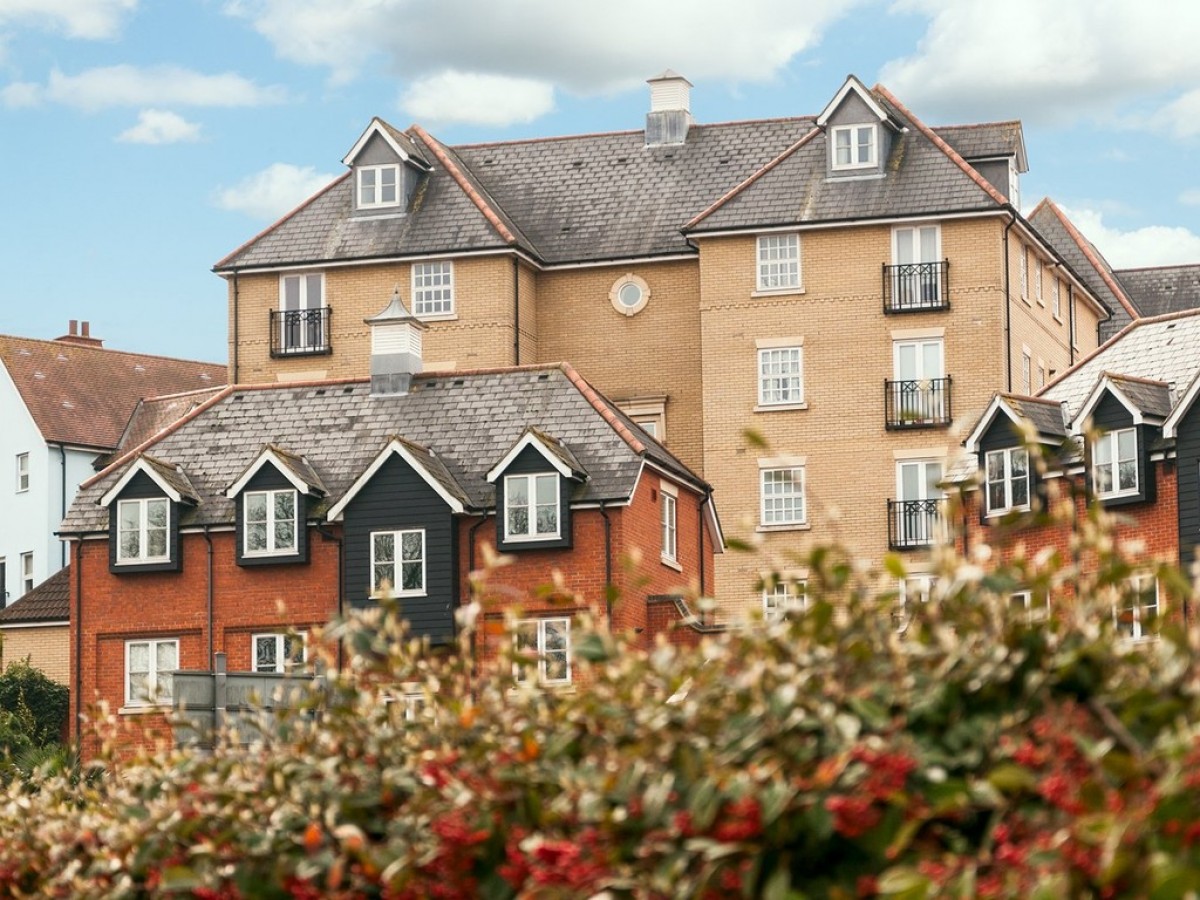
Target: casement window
x: 302, y: 314
x: 1007, y: 474
x: 916, y: 270
x: 149, y: 668
x: 1115, y: 463
x: 378, y: 186
x: 854, y: 146
x: 1026, y: 373
x: 1135, y: 614
x: 1032, y: 606
x: 669, y: 511
x: 22, y: 472
x: 919, y: 392
x: 26, y: 573
x: 1037, y: 281
x: 433, y: 288
x: 1056, y: 299
x: 279, y: 652
x: 531, y: 507
x: 778, y: 262
x: 550, y: 641
x: 911, y: 590
x: 143, y: 530
x: 783, y: 597
x: 780, y: 376
x: 270, y: 522
x: 1024, y: 276
x: 1041, y: 375
x: 398, y: 563
x: 782, y: 496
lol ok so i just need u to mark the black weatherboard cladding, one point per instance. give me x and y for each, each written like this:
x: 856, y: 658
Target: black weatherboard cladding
x: 531, y: 462
x: 142, y: 486
x: 268, y: 478
x: 398, y: 498
x: 1187, y: 458
x: 1111, y: 415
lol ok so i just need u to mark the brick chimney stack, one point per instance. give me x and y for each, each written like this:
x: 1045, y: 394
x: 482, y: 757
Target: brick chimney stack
x: 81, y: 334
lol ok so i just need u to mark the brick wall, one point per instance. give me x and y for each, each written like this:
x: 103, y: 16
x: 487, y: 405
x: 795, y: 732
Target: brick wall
x: 46, y: 648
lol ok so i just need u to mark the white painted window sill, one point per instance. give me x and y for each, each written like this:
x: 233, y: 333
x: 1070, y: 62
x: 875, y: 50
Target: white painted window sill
x: 780, y: 407
x: 438, y: 317
x: 671, y: 563
x: 791, y: 526
x: 148, y: 710
x: 778, y: 292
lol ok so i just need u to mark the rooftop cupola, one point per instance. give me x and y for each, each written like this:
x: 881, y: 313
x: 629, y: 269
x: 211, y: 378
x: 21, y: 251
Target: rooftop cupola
x: 395, y: 348
x: 670, y: 114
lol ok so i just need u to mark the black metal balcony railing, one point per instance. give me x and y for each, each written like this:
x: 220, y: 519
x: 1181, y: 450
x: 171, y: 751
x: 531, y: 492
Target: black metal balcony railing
x: 916, y: 287
x: 917, y: 404
x: 915, y: 523
x: 300, y: 332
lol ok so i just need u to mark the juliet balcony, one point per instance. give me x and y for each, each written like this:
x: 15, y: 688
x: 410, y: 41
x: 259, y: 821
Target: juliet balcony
x: 917, y: 404
x: 914, y: 524
x: 916, y: 287
x: 300, y: 332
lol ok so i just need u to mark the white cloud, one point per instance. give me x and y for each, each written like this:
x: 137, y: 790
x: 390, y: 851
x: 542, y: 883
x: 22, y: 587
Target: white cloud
x: 158, y: 126
x: 482, y: 99
x: 584, y: 48
x: 1053, y: 62
x: 126, y: 85
x: 1152, y: 245
x: 1180, y: 117
x: 90, y: 19
x: 1190, y: 197
x: 274, y: 191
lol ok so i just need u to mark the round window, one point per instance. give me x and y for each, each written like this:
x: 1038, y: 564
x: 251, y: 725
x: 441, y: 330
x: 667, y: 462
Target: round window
x: 629, y: 295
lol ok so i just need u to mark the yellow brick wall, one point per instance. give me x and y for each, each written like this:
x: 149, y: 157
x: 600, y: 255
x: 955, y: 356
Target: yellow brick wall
x: 480, y: 336
x: 850, y: 456
x: 47, y: 649
x: 654, y: 352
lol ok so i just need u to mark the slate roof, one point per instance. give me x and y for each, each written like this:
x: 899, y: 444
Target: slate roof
x: 987, y: 140
x: 84, y: 396
x: 50, y: 601
x: 465, y: 421
x: 172, y: 475
x: 1153, y: 398
x: 1045, y: 415
x: 1086, y: 262
x: 152, y: 414
x: 1162, y: 289
x: 1162, y: 349
x: 595, y: 197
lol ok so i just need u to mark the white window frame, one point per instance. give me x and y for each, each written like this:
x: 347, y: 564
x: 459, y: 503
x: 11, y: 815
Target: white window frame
x: 1007, y: 454
x: 785, y: 596
x: 531, y: 482
x: 669, y: 522
x: 152, y: 673
x: 397, y: 563
x: 433, y: 289
x: 920, y: 587
x: 283, y: 662
x: 26, y: 573
x: 778, y: 264
x: 854, y: 161
x: 520, y: 673
x: 1033, y: 612
x: 143, y: 504
x: 1024, y: 273
x: 1113, y: 440
x: 773, y: 508
x: 22, y: 472
x: 1056, y: 299
x: 1026, y: 372
x: 375, y: 201
x: 1037, y: 281
x: 781, y: 376
x: 1140, y: 626
x: 271, y: 548
x: 304, y: 304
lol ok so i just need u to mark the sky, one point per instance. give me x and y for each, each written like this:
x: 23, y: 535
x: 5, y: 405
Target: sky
x: 143, y: 140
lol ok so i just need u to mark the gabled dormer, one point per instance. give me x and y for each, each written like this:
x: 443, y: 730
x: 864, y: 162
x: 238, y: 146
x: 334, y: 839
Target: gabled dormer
x: 534, y: 483
x: 387, y: 166
x: 1001, y: 440
x: 272, y: 498
x: 1126, y: 415
x: 144, y: 509
x: 858, y: 132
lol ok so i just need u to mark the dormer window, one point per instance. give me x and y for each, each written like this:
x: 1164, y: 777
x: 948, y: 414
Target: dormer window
x: 270, y: 522
x: 378, y: 186
x: 531, y: 507
x: 855, y: 146
x: 1115, y: 463
x: 142, y: 529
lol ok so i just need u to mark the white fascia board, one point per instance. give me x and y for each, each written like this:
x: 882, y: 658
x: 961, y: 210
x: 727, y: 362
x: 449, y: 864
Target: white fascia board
x: 140, y: 465
x: 268, y: 456
x: 397, y: 449
x: 852, y: 84
x: 1181, y: 407
x: 529, y: 439
x: 375, y: 128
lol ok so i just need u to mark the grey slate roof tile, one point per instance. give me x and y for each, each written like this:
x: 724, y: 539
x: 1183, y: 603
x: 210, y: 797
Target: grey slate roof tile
x: 1153, y: 398
x: 986, y: 140
x: 1162, y: 289
x: 464, y: 422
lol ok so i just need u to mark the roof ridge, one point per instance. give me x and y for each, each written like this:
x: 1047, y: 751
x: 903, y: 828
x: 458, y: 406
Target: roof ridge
x: 747, y: 182
x: 54, y: 342
x: 1120, y: 376
x: 979, y: 124
x: 1085, y: 247
x: 246, y: 244
x: 1013, y: 395
x: 474, y: 194
x: 1157, y: 268
x: 602, y: 406
x: 939, y: 142
x: 559, y: 138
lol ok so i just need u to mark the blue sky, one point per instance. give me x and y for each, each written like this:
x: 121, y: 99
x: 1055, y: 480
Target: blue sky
x: 142, y: 141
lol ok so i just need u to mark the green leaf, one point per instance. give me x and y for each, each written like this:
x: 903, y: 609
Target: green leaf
x: 904, y: 883
x: 1010, y: 778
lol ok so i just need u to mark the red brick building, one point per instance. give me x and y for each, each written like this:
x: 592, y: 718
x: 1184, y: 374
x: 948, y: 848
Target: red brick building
x: 271, y: 508
x: 1120, y: 429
